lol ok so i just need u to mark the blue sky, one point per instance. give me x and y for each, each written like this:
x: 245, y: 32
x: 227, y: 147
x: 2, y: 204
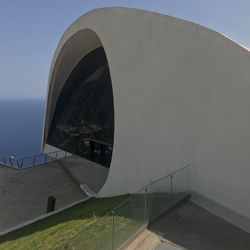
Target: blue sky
x: 31, y: 29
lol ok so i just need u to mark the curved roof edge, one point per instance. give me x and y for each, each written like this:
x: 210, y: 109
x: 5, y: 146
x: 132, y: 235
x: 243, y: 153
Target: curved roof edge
x: 166, y: 15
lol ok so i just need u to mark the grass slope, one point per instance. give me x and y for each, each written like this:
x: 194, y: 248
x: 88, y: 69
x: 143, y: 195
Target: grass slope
x: 55, y: 230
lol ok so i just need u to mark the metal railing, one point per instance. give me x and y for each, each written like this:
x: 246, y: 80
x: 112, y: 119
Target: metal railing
x: 10, y: 161
x: 117, y: 228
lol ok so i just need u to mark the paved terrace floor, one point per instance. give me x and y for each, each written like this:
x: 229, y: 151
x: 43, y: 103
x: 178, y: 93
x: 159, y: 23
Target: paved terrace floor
x: 191, y: 227
x: 24, y: 193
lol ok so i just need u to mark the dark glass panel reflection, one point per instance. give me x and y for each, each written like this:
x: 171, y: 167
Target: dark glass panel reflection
x: 83, y: 121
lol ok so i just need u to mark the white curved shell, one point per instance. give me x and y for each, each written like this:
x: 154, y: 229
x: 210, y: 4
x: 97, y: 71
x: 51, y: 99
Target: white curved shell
x: 181, y: 95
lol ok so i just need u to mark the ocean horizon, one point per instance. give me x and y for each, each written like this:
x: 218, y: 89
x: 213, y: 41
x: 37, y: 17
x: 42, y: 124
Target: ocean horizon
x: 21, y: 123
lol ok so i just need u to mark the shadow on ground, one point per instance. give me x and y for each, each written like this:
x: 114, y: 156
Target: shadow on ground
x: 194, y: 228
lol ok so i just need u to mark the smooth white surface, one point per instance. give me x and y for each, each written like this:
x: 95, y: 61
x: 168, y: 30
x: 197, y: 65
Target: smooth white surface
x: 181, y: 95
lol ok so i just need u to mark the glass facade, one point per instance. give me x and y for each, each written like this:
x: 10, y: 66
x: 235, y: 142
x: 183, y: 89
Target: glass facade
x: 83, y: 122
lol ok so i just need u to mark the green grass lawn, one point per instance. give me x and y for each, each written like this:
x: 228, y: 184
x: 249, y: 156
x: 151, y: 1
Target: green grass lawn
x: 126, y: 220
x: 84, y: 226
x: 55, y: 230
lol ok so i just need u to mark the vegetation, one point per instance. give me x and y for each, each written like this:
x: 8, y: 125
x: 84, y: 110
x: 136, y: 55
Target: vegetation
x: 55, y: 230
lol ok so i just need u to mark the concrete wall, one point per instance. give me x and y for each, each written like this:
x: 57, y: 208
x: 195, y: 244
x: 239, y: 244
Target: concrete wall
x: 181, y: 95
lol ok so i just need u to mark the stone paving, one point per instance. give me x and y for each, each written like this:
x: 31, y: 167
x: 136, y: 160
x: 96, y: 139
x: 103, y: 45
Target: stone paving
x: 192, y: 227
x: 151, y: 241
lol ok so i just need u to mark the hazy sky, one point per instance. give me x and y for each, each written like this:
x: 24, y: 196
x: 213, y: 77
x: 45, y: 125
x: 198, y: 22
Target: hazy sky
x: 31, y: 29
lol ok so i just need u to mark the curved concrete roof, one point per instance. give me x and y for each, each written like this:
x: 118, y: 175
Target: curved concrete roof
x: 181, y: 95
x: 94, y: 39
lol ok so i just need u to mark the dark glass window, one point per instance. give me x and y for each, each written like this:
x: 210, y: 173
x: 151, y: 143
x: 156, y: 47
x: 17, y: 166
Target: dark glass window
x: 83, y: 122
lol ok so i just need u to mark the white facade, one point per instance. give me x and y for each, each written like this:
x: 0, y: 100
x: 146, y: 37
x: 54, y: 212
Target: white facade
x: 181, y: 96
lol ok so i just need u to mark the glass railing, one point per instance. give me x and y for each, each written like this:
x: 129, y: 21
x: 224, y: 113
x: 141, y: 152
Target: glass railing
x: 114, y: 230
x: 10, y: 161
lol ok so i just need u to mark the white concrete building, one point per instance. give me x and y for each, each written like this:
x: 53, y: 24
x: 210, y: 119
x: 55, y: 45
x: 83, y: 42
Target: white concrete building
x: 154, y: 93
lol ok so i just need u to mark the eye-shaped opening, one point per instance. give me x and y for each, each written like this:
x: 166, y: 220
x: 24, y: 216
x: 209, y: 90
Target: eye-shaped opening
x: 83, y: 121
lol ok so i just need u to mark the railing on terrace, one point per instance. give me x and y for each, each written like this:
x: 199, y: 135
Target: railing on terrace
x: 10, y: 161
x: 119, y: 226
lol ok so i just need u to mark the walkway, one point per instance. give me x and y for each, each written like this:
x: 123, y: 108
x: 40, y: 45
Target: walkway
x: 24, y: 193
x: 194, y: 228
x: 191, y: 227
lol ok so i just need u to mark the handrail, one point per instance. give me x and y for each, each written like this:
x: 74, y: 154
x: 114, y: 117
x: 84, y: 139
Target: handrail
x: 171, y: 174
x: 19, y: 163
x: 135, y: 212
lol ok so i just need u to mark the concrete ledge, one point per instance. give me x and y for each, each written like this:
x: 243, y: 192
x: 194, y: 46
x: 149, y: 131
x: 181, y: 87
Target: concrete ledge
x: 221, y: 211
x: 87, y: 190
x: 26, y: 223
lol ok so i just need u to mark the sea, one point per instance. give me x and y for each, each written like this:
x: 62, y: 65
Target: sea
x: 21, y: 124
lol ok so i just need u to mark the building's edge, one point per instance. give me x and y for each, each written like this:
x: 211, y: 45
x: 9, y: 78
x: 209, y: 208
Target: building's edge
x: 221, y: 211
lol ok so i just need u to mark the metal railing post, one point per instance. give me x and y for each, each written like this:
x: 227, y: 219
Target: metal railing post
x: 50, y: 158
x: 113, y: 230
x: 56, y: 155
x: 45, y: 160
x: 146, y: 205
x: 10, y: 160
x: 34, y: 160
x: 4, y: 161
x: 17, y: 163
x: 171, y: 191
